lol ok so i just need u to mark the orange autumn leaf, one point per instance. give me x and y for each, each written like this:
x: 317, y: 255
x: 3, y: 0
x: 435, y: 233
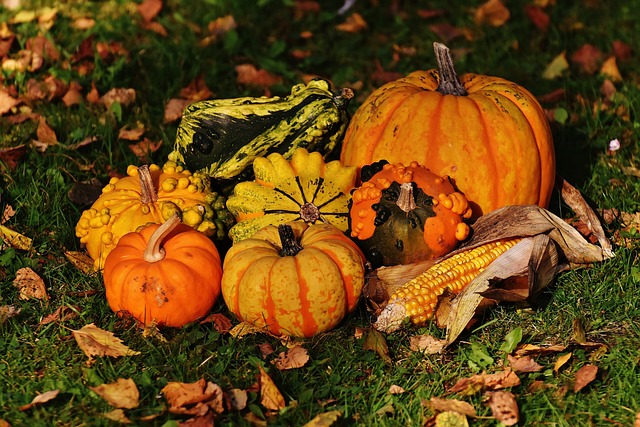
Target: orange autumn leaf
x: 353, y: 24
x: 197, y: 398
x: 7, y: 102
x: 610, y: 70
x: 62, y: 313
x: 440, y: 404
x: 493, y: 13
x: 173, y: 109
x: 45, y: 133
x: 131, y: 134
x: 584, y: 377
x: 149, y: 9
x: 248, y: 74
x: 221, y: 323
x: 270, y: 396
x: 145, y: 147
x: 123, y: 96
x: 504, y: 407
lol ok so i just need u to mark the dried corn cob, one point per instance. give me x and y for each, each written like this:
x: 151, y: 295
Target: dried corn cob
x: 417, y: 298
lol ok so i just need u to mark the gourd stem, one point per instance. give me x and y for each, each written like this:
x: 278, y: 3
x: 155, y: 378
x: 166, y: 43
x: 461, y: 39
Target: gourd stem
x: 343, y: 97
x: 153, y: 252
x: 449, y: 83
x: 148, y: 192
x: 406, y: 201
x: 288, y: 241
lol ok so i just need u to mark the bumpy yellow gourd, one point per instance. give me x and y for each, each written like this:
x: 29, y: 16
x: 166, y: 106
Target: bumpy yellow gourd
x: 149, y: 195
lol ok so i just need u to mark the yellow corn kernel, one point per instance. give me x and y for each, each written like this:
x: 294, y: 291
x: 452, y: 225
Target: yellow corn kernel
x: 417, y: 298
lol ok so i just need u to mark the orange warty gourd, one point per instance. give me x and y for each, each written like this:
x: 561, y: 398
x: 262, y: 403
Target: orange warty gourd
x: 166, y: 274
x: 402, y: 214
x: 488, y: 134
x: 293, y: 279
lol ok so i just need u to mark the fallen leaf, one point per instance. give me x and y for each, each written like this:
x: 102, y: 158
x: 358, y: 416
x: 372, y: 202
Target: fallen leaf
x: 173, y: 109
x: 504, y: 407
x: 374, y: 340
x: 237, y: 398
x: 118, y: 416
x: 248, y: 74
x: 538, y: 17
x: 145, y: 148
x: 396, y: 389
x: 149, y: 9
x: 523, y: 364
x: 40, y: 399
x: 221, y: 323
x: 532, y: 349
x: 493, y: 13
x: 15, y: 239
x: 265, y: 349
x: 93, y: 97
x: 131, y: 134
x: 7, y: 214
x: 556, y: 67
x: 610, y: 70
x: 193, y: 398
x: 587, y: 58
x: 7, y: 102
x: 325, y: 419
x: 221, y: 25
x: 83, y: 23
x: 295, y: 357
x: 242, y: 329
x: 43, y: 47
x: 270, y: 396
x: 561, y: 361
x: 62, y: 313
x: 81, y: 261
x: 73, y: 96
x: 621, y: 50
x: 446, y: 32
x: 430, y: 13
x: 122, y: 96
x: 353, y: 24
x: 197, y: 90
x: 94, y: 341
x: 30, y: 285
x: 584, y: 377
x: 121, y: 394
x: 451, y: 419
x: 479, y: 382
x: 7, y: 312
x: 439, y: 404
x: 426, y: 344
x: 45, y: 133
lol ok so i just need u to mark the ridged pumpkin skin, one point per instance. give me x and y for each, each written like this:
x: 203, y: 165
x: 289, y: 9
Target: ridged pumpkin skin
x: 304, y: 188
x: 495, y: 142
x: 402, y: 214
x: 179, y: 289
x: 298, y: 295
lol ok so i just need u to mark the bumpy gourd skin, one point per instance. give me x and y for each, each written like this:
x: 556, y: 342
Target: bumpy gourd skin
x: 222, y: 137
x: 125, y: 205
x: 304, y: 188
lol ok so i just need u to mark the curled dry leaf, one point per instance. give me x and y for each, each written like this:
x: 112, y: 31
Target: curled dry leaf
x: 504, y: 407
x: 196, y: 398
x: 426, y: 344
x: 173, y: 109
x: 561, y: 361
x: 41, y: 398
x: 295, y: 357
x: 94, y: 341
x: 149, y: 9
x: 523, y: 364
x: 439, y: 404
x: 353, y: 24
x: 81, y: 261
x: 30, y: 284
x: 7, y: 312
x: 396, y: 389
x: 62, y: 313
x: 122, y: 96
x: 122, y: 394
x: 480, y: 382
x: 221, y: 323
x: 248, y: 74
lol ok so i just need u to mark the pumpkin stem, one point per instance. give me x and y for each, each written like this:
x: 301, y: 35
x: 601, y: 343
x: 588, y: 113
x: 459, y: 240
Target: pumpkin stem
x: 449, y: 83
x: 343, y: 97
x: 406, y: 201
x: 153, y: 252
x: 288, y: 241
x: 147, y: 190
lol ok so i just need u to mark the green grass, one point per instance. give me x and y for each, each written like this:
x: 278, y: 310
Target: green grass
x: 340, y: 374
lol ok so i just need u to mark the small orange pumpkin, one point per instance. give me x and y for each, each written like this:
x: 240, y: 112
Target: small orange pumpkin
x: 294, y: 279
x: 488, y: 134
x: 165, y: 274
x: 403, y: 214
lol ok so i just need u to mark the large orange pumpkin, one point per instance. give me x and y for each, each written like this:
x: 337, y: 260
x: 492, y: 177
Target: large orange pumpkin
x: 165, y: 274
x: 294, y: 279
x: 488, y: 134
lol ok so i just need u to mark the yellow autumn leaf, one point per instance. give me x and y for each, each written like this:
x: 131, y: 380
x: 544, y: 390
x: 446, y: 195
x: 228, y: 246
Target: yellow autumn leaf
x: 556, y: 67
x: 451, y: 419
x: 324, y: 419
x: 81, y: 261
x: 15, y: 239
x: 94, y: 341
x: 561, y: 361
x: 270, y: 396
x: 121, y: 394
x: 610, y: 70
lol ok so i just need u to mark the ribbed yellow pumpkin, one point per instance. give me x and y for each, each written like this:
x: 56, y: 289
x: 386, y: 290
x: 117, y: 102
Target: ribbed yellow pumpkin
x: 293, y: 279
x: 488, y: 134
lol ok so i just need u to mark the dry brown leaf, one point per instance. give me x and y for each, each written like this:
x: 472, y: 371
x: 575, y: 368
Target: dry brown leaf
x: 242, y: 329
x: 353, y: 24
x: 221, y: 323
x: 561, y: 361
x: 270, y: 396
x: 121, y: 394
x: 375, y: 341
x: 7, y: 214
x: 145, y: 148
x: 13, y: 238
x: 122, y: 96
x: 446, y: 32
x: 396, y: 389
x: 295, y: 357
x: 83, y: 23
x: 7, y: 312
x: 265, y: 349
x: 621, y: 50
x: 62, y: 313
x: 7, y: 102
x: 237, y: 398
x: 587, y: 58
x: 197, y: 90
x: 325, y: 419
x: 504, y: 407
x: 149, y: 9
x: 523, y: 364
x: 439, y: 404
x: 532, y: 349
x: 610, y: 69
x: 173, y: 109
x: 132, y: 134
x: 493, y: 13
x: 40, y: 399
x: 218, y: 28
x: 45, y: 133
x: 41, y: 46
x: 31, y: 285
x: 196, y: 398
x: 118, y: 416
x: 248, y: 74
x: 479, y: 382
x: 81, y: 261
x: 94, y: 341
x: 73, y: 96
x: 584, y: 377
x: 426, y: 344
x: 538, y: 17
